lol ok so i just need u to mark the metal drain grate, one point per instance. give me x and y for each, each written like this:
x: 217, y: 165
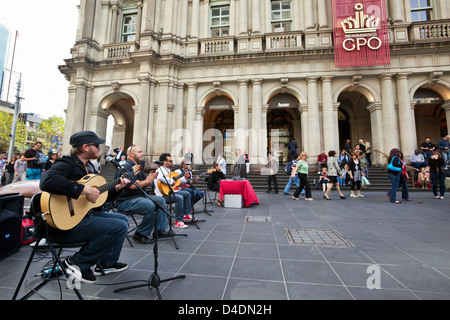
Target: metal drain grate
x: 257, y: 219
x: 319, y: 237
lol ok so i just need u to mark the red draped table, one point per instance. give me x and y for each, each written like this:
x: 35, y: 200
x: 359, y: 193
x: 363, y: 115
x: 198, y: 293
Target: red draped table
x: 242, y: 187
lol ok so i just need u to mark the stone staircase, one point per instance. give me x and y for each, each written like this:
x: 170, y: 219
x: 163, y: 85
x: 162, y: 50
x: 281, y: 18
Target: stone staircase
x: 377, y: 177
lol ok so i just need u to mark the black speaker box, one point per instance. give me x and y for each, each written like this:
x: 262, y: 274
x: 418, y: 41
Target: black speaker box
x: 11, y: 212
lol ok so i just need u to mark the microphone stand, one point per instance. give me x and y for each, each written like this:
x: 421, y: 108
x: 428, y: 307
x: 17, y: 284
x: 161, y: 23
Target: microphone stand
x: 171, y: 233
x: 154, y: 281
x: 193, y: 220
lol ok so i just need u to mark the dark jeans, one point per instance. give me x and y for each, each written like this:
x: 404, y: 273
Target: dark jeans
x: 395, y: 180
x: 435, y: 179
x: 404, y: 184
x: 304, y: 183
x: 270, y: 179
x: 105, y: 232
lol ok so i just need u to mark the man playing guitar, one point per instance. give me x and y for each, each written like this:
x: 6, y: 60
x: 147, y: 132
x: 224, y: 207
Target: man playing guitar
x: 104, y: 231
x: 187, y: 181
x: 133, y: 200
x: 182, y: 198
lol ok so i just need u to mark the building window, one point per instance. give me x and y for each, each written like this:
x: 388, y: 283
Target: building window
x: 129, y: 28
x: 220, y: 21
x: 281, y: 16
x: 421, y: 10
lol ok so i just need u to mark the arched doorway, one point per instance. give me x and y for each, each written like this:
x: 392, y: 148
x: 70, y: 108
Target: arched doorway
x: 283, y: 125
x: 431, y: 120
x: 353, y: 117
x: 219, y: 116
x: 120, y: 123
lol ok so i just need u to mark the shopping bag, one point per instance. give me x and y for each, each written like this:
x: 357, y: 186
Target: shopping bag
x: 365, y: 182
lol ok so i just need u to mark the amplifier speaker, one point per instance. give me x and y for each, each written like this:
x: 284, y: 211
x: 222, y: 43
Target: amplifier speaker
x: 11, y: 212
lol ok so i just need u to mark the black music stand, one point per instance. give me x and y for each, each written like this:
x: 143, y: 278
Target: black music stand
x: 154, y: 281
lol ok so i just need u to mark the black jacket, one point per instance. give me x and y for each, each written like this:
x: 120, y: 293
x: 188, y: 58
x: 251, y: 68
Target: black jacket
x: 63, y: 175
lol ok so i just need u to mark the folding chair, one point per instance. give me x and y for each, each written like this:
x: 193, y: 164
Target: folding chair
x: 208, y: 199
x: 35, y: 210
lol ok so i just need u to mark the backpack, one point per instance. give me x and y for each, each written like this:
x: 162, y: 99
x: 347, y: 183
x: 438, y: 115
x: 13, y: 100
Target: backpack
x: 288, y: 168
x: 40, y: 159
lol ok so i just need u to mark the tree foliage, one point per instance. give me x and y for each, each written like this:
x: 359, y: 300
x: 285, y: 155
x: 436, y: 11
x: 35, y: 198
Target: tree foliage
x: 6, y: 120
x: 47, y: 132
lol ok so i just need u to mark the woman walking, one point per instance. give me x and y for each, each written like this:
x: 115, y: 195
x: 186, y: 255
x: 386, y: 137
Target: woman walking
x: 394, y: 170
x: 437, y: 174
x: 334, y: 171
x: 355, y: 175
x: 302, y: 168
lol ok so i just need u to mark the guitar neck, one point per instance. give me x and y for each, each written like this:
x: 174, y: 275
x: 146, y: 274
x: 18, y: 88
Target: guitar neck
x: 109, y: 185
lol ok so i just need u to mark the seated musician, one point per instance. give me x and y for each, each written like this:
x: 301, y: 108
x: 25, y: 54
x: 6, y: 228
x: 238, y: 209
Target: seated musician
x: 104, y: 231
x: 187, y: 182
x: 166, y: 184
x: 134, y: 200
x: 214, y: 180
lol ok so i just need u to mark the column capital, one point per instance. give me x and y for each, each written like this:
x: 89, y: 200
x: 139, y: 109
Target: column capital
x: 446, y: 105
x: 386, y: 76
x: 192, y: 85
x: 374, y: 106
x: 403, y: 75
x: 257, y: 81
x: 242, y: 82
x: 327, y: 78
x: 311, y: 79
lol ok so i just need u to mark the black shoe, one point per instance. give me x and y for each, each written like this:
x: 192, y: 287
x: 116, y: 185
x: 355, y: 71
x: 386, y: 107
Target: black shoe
x: 325, y: 197
x: 117, y: 267
x: 285, y: 193
x: 343, y: 197
x: 268, y: 191
x: 274, y: 192
x: 86, y: 276
x: 141, y: 238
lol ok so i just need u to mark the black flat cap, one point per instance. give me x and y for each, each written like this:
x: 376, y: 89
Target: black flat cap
x: 85, y: 137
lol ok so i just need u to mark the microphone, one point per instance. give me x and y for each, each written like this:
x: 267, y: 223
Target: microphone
x: 114, y: 162
x: 159, y: 163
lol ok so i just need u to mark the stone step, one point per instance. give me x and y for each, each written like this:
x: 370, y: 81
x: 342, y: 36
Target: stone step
x: 377, y: 176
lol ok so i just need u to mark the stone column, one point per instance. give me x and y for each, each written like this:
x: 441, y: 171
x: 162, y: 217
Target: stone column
x: 243, y: 27
x: 113, y: 32
x: 195, y: 19
x: 151, y: 118
x: 198, y: 135
x: 139, y: 20
x: 446, y: 107
x: 303, y: 109
x: 396, y: 10
x: 190, y: 115
x: 322, y: 6
x: 242, y: 137
x: 141, y: 115
x: 329, y: 117
x: 315, y: 138
x: 408, y: 139
x: 390, y: 127
x: 308, y: 12
x: 160, y: 143
x: 256, y: 16
x: 376, y: 124
x: 88, y: 23
x: 257, y: 148
x: 70, y: 113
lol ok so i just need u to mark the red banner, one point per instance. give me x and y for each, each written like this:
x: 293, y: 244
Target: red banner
x: 360, y: 33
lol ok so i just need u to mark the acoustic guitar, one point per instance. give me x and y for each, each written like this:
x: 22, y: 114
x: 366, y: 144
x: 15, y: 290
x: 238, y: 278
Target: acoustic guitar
x: 64, y: 213
x: 164, y: 188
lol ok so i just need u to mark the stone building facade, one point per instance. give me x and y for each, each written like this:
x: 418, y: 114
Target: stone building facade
x: 211, y: 76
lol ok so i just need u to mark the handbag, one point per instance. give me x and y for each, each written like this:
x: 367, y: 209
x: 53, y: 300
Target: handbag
x: 392, y: 167
x: 365, y: 181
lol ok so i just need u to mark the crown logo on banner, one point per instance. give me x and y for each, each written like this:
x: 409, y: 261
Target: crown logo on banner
x: 361, y: 23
